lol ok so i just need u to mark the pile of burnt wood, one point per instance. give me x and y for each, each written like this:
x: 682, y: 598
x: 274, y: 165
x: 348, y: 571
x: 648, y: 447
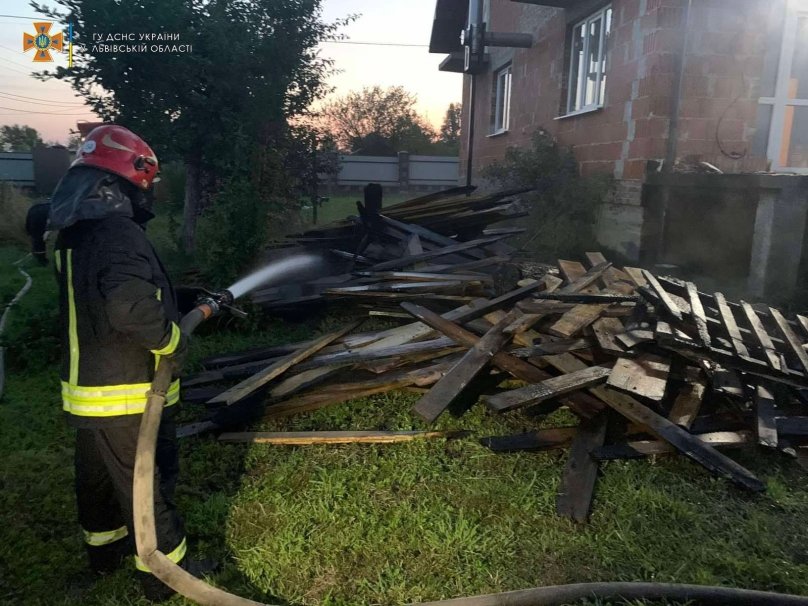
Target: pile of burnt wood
x: 369, y: 258
x: 649, y: 365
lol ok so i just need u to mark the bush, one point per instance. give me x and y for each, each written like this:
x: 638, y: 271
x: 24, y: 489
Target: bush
x: 563, y: 206
x: 13, y: 209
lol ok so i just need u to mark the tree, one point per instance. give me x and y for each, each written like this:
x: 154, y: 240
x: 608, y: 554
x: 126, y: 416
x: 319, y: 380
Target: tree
x: 73, y: 141
x: 450, y: 129
x: 377, y: 121
x: 18, y: 138
x: 223, y: 89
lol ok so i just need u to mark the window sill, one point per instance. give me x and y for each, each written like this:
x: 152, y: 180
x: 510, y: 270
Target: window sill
x: 499, y: 133
x: 580, y: 112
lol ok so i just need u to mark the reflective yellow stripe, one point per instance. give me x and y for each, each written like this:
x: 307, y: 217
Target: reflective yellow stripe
x: 159, y: 294
x: 175, y: 556
x: 58, y: 260
x: 97, y: 539
x: 172, y: 342
x: 111, y: 400
x: 72, y: 329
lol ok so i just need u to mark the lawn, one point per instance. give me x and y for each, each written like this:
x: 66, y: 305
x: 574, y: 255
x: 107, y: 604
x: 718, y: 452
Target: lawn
x: 361, y: 524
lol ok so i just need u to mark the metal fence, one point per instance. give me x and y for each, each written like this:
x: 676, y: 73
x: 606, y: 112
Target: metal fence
x: 39, y: 171
x: 17, y: 169
x: 402, y: 171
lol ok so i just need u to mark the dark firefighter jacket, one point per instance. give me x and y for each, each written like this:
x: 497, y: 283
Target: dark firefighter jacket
x: 117, y: 306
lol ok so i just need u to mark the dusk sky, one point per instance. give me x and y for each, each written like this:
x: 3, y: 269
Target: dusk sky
x: 53, y: 109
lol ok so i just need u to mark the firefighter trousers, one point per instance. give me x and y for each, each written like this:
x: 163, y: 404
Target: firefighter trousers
x: 105, y: 463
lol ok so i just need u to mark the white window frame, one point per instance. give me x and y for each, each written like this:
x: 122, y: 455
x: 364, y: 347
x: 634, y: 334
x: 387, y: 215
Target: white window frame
x: 503, y: 83
x: 576, y: 106
x: 780, y: 102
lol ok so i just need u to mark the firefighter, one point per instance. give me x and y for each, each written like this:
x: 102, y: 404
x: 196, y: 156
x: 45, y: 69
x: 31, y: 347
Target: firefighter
x: 119, y: 317
x: 36, y: 225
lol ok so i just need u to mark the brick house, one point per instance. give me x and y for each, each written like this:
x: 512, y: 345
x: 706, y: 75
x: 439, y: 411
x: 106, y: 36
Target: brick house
x: 625, y: 82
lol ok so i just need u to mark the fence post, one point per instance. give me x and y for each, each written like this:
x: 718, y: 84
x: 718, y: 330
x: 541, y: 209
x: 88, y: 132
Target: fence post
x: 404, y: 170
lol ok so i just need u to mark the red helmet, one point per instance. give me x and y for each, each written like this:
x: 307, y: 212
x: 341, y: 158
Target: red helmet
x: 118, y: 150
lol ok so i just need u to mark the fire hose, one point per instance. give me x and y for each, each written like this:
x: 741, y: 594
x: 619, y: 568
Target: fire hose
x: 4, y: 318
x: 201, y: 592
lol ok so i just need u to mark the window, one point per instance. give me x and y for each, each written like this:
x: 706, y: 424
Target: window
x: 501, y: 100
x: 783, y: 118
x: 587, y: 83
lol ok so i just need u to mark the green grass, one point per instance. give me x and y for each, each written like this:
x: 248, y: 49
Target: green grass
x: 393, y: 524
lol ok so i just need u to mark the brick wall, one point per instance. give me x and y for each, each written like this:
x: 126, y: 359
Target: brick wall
x: 717, y: 107
x: 724, y: 62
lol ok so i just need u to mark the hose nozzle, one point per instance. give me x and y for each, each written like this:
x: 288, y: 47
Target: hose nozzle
x: 215, y: 303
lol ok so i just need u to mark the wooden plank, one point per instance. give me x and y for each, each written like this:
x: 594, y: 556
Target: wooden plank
x: 613, y: 278
x: 547, y: 348
x: 541, y: 439
x: 803, y: 322
x: 252, y: 355
x: 301, y: 381
x: 306, y: 438
x: 763, y: 338
x: 766, y: 412
x: 315, y: 401
x: 669, y: 304
x: 587, y: 279
x: 200, y: 394
x: 414, y: 246
x: 605, y: 330
x: 729, y: 382
x: 527, y: 321
x: 571, y: 270
x: 195, y: 429
x: 577, y: 487
x: 690, y: 350
x: 664, y: 429
x: 466, y: 314
x: 636, y: 275
x: 632, y: 338
x: 504, y: 361
x: 423, y: 233
x: 551, y: 283
x: 420, y: 276
x: 451, y: 386
x: 688, y: 401
x: 353, y: 356
x: 468, y: 266
x: 605, y: 297
x: 728, y: 320
x: 684, y: 442
x: 793, y: 426
x: 665, y: 331
x: 576, y: 319
x: 338, y: 393
x: 549, y: 388
x: 260, y: 379
x: 448, y: 250
x: 697, y: 311
x: 643, y: 448
x: 793, y: 341
x: 646, y: 376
